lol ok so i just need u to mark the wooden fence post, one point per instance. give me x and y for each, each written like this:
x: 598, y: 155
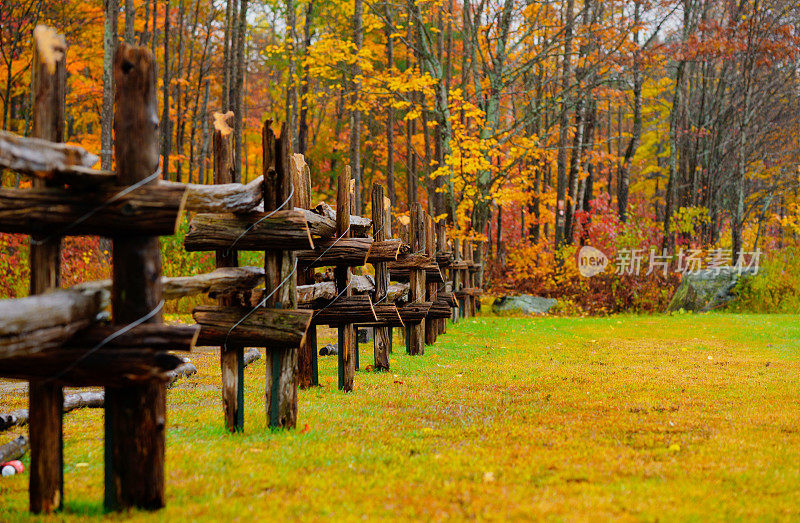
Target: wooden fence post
x: 431, y: 324
x: 415, y: 343
x: 135, y: 415
x: 46, y: 400
x: 346, y: 334
x: 387, y: 228
x: 307, y: 369
x: 231, y: 357
x: 455, y: 274
x: 383, y: 335
x: 280, y: 278
x: 441, y: 246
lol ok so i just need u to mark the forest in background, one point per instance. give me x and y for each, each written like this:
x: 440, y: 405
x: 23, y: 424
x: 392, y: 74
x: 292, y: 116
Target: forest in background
x: 538, y: 126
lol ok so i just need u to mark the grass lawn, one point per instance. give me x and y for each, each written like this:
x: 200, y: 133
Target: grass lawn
x: 663, y: 417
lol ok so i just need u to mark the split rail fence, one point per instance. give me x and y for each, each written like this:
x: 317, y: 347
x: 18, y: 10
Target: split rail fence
x: 63, y: 337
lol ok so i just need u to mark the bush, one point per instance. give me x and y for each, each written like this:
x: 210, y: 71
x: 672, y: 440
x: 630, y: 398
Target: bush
x: 776, y: 287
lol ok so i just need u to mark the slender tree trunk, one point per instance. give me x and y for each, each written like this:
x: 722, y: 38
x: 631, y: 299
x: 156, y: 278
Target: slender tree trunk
x: 390, y: 110
x: 166, y: 123
x: 623, y: 178
x: 302, y: 126
x: 355, y: 114
x: 563, y: 135
x: 291, y: 86
x: 109, y: 47
x: 238, y: 94
x: 130, y: 15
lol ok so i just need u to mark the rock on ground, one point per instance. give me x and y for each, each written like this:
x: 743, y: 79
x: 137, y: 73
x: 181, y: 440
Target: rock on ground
x: 524, y: 303
x: 707, y: 290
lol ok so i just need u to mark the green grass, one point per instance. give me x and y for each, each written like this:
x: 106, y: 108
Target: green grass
x: 635, y: 417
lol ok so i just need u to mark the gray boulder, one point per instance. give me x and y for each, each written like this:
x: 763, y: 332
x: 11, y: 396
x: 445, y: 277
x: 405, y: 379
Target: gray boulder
x: 524, y: 303
x: 707, y: 290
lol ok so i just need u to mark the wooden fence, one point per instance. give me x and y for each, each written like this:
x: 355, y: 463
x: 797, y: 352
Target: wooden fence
x: 61, y: 337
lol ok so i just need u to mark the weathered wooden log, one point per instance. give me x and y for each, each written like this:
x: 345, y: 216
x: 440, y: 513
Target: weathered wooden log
x: 353, y: 252
x: 383, y: 334
x: 415, y: 339
x: 307, y: 363
x: 148, y: 336
x: 231, y: 356
x: 14, y: 449
x: 345, y: 251
x: 78, y: 400
x: 13, y: 419
x: 432, y: 274
x: 387, y: 315
x: 346, y: 310
x: 223, y: 198
x: 410, y: 261
x: 280, y: 390
x: 107, y: 367
x: 459, y: 265
x: 321, y: 227
x: 440, y: 309
x: 252, y: 354
x: 359, y: 226
x: 448, y: 297
x: 49, y: 160
x: 315, y: 293
x: 148, y: 210
x: 184, y: 370
x: 84, y: 400
x: 135, y: 435
x: 222, y: 281
x: 250, y: 232
x: 273, y: 328
x: 41, y: 322
x: 346, y: 335
x: 397, y: 293
x: 444, y: 258
x: 414, y: 313
x: 359, y: 283
x: 431, y: 321
x: 44, y: 398
x: 469, y: 291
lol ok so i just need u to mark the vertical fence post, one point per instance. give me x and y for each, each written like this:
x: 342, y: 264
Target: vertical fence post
x: 441, y: 246
x: 387, y: 228
x: 281, y: 277
x: 135, y: 415
x: 231, y: 357
x: 455, y: 274
x: 383, y: 335
x: 307, y: 372
x: 466, y: 255
x: 346, y: 334
x: 431, y: 324
x: 415, y: 343
x: 46, y: 399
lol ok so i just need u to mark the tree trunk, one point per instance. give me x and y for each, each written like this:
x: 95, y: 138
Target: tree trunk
x: 355, y: 114
x: 109, y: 46
x: 563, y: 124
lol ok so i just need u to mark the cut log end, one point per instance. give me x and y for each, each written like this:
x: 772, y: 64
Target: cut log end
x: 221, y: 122
x: 50, y: 45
